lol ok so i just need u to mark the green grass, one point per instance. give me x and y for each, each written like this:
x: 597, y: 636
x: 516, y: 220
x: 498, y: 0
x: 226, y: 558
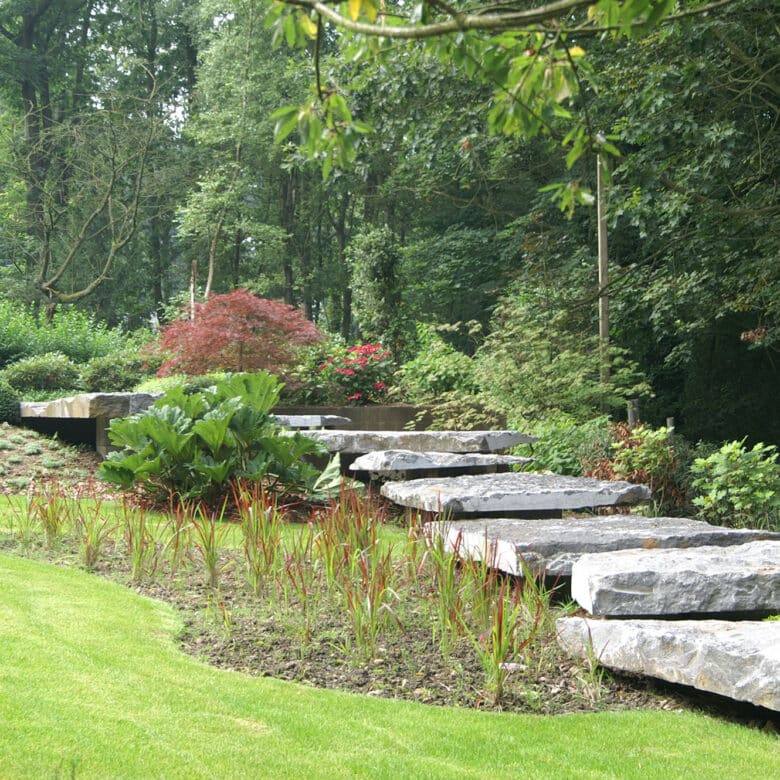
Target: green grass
x: 92, y: 681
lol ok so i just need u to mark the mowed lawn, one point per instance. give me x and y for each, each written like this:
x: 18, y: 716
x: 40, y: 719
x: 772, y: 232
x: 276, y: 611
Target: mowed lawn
x: 92, y: 684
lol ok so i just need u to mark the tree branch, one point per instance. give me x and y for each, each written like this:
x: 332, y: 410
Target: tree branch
x: 484, y: 22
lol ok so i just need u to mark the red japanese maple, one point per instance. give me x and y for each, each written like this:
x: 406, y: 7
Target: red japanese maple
x: 236, y: 331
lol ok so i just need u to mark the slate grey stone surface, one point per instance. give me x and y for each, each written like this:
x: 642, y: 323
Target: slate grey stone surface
x: 745, y: 578
x: 396, y: 464
x: 515, y: 492
x: 738, y: 659
x: 553, y: 546
x: 90, y: 405
x: 361, y: 442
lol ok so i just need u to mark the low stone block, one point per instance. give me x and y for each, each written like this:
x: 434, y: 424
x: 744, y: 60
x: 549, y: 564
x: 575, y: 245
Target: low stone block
x: 511, y: 493
x: 406, y: 464
x: 552, y: 547
x: 313, y: 421
x: 739, y: 659
x: 361, y: 442
x: 745, y: 578
x: 91, y: 405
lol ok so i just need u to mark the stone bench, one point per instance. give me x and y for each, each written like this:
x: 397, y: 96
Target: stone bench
x: 406, y: 464
x: 553, y: 547
x: 86, y: 417
x: 739, y: 659
x: 516, y: 494
x: 701, y: 580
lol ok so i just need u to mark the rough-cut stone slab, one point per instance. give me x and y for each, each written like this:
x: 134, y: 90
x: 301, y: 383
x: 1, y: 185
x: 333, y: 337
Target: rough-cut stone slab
x: 90, y: 405
x: 553, y: 546
x: 312, y: 420
x: 507, y: 493
x: 406, y: 464
x: 360, y: 442
x: 738, y: 659
x: 745, y: 578
x: 100, y: 407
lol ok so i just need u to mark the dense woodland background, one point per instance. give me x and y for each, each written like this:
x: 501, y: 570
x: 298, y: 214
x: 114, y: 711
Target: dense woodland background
x: 137, y: 149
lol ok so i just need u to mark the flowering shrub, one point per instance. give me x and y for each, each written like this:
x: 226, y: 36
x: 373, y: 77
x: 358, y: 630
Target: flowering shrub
x: 362, y: 372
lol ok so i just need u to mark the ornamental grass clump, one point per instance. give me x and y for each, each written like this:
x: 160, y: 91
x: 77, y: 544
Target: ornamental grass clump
x: 140, y: 542
x: 52, y: 510
x: 261, y: 534
x: 209, y: 536
x: 448, y: 604
x: 93, y: 528
x: 368, y: 595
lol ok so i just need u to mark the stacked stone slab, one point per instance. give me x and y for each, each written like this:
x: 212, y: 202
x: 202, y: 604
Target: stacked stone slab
x: 553, y: 547
x: 407, y: 464
x: 311, y: 421
x: 361, y: 442
x: 735, y: 658
x: 100, y: 407
x: 512, y: 494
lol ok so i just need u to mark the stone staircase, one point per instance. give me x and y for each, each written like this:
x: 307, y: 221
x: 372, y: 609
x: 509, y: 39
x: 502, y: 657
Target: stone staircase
x: 668, y: 596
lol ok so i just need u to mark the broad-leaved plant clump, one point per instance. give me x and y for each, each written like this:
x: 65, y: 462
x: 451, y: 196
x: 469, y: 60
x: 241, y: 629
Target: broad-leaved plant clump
x: 363, y: 372
x: 739, y: 486
x: 194, y: 446
x: 236, y: 331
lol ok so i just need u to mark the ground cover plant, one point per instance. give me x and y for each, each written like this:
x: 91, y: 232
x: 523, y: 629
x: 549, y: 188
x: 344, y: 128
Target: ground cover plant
x: 27, y: 457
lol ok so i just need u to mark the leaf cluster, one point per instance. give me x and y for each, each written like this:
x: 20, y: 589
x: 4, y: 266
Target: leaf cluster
x: 193, y: 446
x: 236, y: 331
x: 739, y: 486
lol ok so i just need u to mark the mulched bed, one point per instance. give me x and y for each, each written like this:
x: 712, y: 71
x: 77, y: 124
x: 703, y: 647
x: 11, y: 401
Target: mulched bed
x: 235, y: 630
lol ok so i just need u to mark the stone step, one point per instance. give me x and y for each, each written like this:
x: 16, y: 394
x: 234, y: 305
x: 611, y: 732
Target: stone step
x: 360, y: 442
x: 519, y: 492
x: 552, y: 547
x: 702, y: 580
x: 406, y: 464
x: 737, y: 659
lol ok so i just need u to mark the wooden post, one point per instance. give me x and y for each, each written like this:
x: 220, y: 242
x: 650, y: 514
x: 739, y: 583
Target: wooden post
x: 633, y: 413
x: 193, y: 284
x: 603, y: 271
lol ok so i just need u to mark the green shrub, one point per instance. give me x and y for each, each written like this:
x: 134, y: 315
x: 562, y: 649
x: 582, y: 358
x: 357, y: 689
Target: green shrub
x: 363, y: 372
x: 9, y: 403
x: 52, y: 371
x: 114, y: 373
x: 565, y: 445
x: 437, y: 368
x: 16, y: 326
x: 194, y: 445
x: 161, y: 384
x: 74, y: 333
x: 78, y: 335
x: 647, y: 455
x: 739, y: 486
